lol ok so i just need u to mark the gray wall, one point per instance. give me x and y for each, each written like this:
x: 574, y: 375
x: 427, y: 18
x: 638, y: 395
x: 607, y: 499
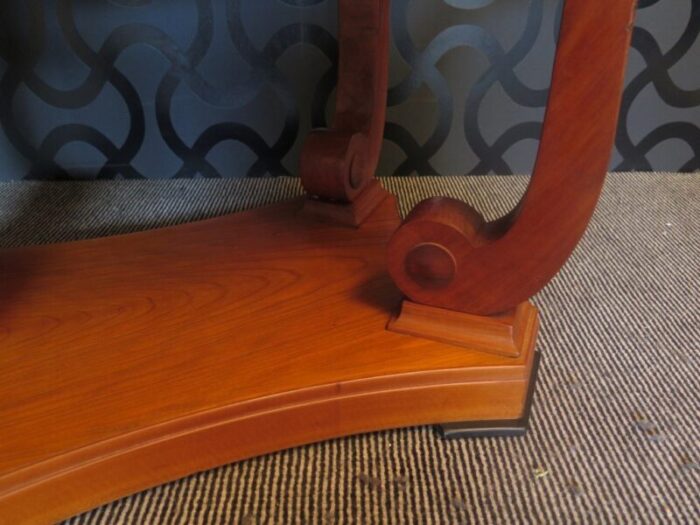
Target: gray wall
x: 228, y: 88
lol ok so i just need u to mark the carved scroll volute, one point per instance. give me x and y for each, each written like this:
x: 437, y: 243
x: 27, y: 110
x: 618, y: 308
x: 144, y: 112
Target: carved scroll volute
x: 338, y: 163
x: 446, y: 255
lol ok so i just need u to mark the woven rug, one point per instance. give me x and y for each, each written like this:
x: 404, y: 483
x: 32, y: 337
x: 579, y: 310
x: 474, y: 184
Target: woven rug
x: 615, y: 431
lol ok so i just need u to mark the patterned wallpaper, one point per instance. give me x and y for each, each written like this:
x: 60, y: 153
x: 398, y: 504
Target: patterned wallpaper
x: 228, y: 88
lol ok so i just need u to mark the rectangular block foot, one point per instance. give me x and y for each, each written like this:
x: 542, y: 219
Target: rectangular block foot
x: 351, y: 214
x: 508, y: 334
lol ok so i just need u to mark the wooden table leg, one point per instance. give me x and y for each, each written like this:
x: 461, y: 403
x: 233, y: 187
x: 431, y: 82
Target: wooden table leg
x: 338, y: 164
x: 453, y: 266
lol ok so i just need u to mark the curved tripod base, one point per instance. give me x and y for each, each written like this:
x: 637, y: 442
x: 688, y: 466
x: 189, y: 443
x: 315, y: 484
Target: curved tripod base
x: 135, y: 360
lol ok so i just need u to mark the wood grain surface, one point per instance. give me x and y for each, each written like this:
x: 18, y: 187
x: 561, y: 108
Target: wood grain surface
x: 130, y: 361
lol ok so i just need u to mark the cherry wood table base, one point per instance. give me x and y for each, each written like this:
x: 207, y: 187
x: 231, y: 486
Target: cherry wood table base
x: 134, y: 360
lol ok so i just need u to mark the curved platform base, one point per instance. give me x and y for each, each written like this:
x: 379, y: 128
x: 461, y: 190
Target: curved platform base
x: 131, y: 361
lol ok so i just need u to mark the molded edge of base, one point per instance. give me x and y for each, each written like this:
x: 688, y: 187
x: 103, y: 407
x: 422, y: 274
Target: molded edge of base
x: 83, y: 479
x: 504, y: 428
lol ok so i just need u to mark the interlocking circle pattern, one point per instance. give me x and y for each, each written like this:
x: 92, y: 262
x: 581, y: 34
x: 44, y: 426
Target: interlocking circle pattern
x: 228, y: 88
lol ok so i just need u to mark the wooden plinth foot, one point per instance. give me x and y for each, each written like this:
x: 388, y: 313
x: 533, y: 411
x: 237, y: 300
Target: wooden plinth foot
x: 347, y: 214
x: 505, y: 428
x: 508, y: 334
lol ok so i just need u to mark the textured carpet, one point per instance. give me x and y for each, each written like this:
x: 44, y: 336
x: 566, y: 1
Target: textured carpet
x: 616, y: 425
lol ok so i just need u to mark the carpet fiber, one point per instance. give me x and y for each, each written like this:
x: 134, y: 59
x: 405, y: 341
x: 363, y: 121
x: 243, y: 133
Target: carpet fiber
x: 616, y: 421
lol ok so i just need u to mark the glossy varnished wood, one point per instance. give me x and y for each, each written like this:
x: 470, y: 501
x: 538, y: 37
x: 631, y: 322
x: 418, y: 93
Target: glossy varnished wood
x: 129, y: 361
x: 446, y: 255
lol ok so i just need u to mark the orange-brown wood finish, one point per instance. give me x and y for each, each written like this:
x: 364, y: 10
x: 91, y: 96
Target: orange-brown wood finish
x: 133, y: 360
x: 445, y: 254
x: 338, y: 164
x: 508, y: 334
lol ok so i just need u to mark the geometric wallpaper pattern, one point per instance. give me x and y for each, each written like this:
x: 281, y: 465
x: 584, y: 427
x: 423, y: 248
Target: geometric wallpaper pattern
x: 101, y: 89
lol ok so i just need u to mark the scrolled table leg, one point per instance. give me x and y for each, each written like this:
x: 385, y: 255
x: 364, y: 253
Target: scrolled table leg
x: 338, y: 164
x: 445, y: 255
x: 468, y: 281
